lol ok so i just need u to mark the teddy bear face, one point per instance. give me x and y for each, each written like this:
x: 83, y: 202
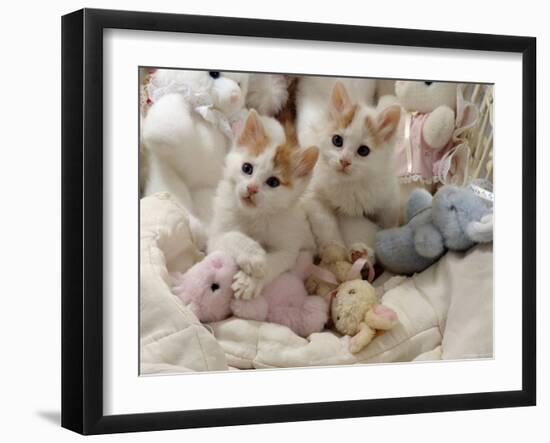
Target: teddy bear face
x: 350, y: 304
x: 206, y: 287
x: 219, y: 269
x: 425, y: 96
x: 227, y: 90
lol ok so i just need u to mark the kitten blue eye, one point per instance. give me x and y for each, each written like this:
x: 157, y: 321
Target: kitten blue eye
x: 273, y: 182
x: 247, y: 168
x: 363, y: 150
x: 428, y: 83
x: 337, y: 140
x: 214, y: 74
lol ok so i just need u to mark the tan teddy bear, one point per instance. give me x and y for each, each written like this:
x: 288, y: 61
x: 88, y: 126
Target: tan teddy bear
x: 338, y: 262
x: 356, y: 311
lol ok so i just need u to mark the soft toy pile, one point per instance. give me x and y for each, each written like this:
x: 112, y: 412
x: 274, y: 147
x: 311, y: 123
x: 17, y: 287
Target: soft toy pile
x: 196, y: 117
x: 353, y: 306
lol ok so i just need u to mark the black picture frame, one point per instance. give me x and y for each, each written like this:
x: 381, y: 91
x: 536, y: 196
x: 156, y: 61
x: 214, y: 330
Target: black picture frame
x: 82, y: 220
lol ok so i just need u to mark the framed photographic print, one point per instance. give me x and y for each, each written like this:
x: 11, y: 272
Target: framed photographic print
x: 270, y: 221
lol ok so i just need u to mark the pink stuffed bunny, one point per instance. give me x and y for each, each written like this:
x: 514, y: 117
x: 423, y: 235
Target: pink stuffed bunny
x: 206, y: 290
x: 206, y: 287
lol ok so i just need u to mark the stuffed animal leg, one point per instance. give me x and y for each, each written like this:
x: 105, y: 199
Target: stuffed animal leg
x: 254, y: 309
x: 379, y: 317
x: 428, y: 241
x: 362, y: 338
x: 308, y: 315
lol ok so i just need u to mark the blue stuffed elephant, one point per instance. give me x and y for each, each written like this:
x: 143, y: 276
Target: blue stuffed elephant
x: 453, y: 219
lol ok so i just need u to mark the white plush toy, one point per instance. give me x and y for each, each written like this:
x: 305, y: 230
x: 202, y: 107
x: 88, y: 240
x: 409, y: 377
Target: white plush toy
x: 268, y: 93
x: 187, y: 131
x: 433, y: 149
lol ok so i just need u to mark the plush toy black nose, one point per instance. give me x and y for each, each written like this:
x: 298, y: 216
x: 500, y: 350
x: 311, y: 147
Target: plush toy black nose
x: 215, y: 287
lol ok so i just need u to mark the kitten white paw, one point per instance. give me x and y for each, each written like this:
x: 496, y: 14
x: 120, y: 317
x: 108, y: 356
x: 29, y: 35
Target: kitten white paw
x: 245, y: 286
x: 252, y: 264
x: 361, y: 250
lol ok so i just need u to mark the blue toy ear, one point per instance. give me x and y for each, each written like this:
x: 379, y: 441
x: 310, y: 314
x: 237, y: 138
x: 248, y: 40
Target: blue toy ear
x: 418, y: 200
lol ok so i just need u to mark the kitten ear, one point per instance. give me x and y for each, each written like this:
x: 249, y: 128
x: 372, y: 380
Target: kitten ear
x: 306, y: 160
x: 339, y: 99
x: 386, y: 123
x: 253, y: 134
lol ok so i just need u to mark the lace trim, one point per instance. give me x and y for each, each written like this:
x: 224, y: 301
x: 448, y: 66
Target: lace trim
x: 413, y: 178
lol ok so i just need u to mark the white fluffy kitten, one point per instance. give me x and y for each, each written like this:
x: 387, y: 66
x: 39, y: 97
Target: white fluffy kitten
x: 312, y: 96
x: 257, y: 216
x: 187, y: 149
x: 355, y: 175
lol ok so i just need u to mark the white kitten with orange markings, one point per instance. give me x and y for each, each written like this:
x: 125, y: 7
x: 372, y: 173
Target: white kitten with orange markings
x: 257, y: 216
x: 354, y: 179
x: 312, y: 96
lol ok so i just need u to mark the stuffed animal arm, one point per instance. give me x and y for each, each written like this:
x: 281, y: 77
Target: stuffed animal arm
x: 379, y: 317
x: 362, y: 338
x: 428, y: 241
x: 439, y: 127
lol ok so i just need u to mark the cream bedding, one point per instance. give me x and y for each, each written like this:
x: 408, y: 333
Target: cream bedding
x: 445, y: 312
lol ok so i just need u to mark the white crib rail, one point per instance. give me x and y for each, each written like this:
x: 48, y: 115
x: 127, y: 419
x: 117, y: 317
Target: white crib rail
x: 480, y: 137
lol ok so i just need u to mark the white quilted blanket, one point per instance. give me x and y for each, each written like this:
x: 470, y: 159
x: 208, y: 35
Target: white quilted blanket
x: 445, y: 312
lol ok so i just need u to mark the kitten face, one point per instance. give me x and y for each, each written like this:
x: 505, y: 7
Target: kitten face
x: 357, y: 137
x: 268, y: 172
x: 425, y: 96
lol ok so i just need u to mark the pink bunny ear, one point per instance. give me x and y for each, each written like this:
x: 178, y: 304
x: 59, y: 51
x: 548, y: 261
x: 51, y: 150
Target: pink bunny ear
x: 381, y: 317
x: 385, y: 312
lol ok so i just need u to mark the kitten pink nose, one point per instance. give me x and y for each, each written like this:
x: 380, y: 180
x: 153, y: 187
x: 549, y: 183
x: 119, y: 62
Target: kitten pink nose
x: 345, y: 163
x: 252, y: 189
x: 234, y: 97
